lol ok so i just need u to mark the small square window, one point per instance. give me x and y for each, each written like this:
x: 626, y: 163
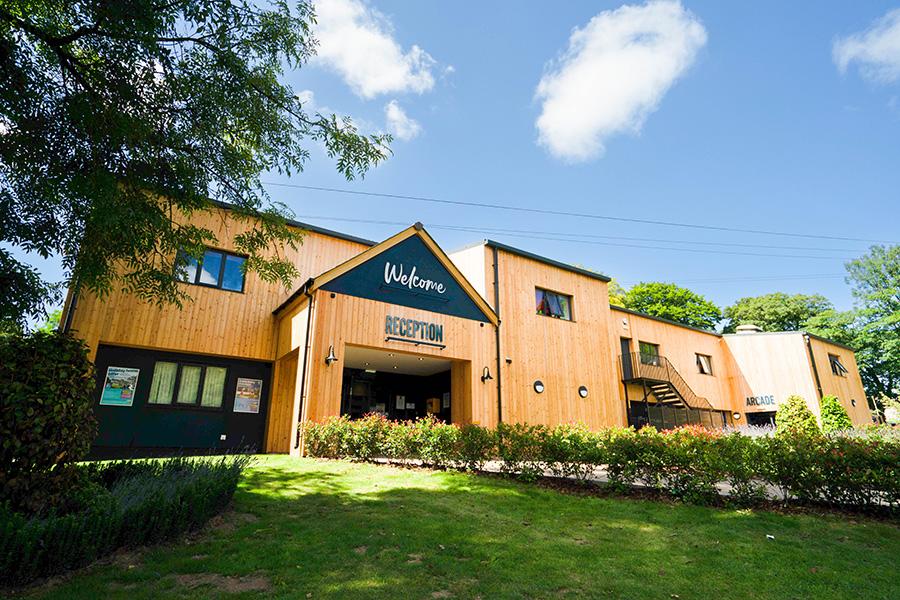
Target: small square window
x: 217, y: 269
x: 189, y: 384
x: 704, y: 364
x: 162, y: 389
x: 837, y: 367
x: 551, y: 304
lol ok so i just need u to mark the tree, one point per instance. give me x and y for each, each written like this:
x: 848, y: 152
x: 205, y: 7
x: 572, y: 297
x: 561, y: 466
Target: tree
x: 119, y: 121
x: 834, y: 415
x: 616, y: 293
x: 672, y: 302
x: 794, y: 417
x: 775, y: 312
x: 872, y: 328
x: 52, y: 322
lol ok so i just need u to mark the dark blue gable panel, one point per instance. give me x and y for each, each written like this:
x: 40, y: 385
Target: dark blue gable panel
x: 428, y: 285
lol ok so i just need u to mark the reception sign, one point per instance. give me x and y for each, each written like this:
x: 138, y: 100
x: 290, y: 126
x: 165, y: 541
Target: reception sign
x: 119, y: 387
x: 248, y: 396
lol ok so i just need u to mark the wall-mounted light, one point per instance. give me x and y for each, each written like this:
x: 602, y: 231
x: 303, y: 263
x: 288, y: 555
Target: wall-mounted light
x: 331, y: 357
x: 852, y: 402
x: 737, y: 416
x: 582, y: 391
x: 539, y: 386
x: 485, y: 375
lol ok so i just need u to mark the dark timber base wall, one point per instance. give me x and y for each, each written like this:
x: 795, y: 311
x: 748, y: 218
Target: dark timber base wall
x: 157, y: 429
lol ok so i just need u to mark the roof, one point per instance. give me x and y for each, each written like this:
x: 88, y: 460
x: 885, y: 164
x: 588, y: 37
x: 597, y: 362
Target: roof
x: 662, y: 320
x: 415, y: 230
x: 308, y: 227
x: 799, y: 332
x: 545, y: 260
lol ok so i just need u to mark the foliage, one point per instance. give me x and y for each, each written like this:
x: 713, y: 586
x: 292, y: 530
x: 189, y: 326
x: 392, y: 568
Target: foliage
x: 121, y: 504
x: 46, y: 418
x: 794, y: 416
x: 775, y: 312
x: 23, y: 294
x: 834, y: 415
x: 616, y: 293
x: 121, y: 121
x: 872, y: 328
x: 52, y: 322
x: 859, y: 468
x: 669, y: 301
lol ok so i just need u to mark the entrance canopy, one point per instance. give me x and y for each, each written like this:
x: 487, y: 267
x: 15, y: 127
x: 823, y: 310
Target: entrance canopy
x: 371, y: 359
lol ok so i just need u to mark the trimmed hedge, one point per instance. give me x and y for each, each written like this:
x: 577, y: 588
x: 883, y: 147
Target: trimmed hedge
x: 861, y: 471
x: 46, y: 419
x: 120, y: 504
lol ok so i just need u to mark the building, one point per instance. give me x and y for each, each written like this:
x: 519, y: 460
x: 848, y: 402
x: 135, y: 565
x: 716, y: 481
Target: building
x: 486, y: 334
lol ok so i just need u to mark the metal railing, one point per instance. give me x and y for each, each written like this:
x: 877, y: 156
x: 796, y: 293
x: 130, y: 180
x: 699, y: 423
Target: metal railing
x: 656, y: 368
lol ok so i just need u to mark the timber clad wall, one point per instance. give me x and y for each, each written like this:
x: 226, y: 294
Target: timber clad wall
x: 562, y: 354
x: 216, y: 322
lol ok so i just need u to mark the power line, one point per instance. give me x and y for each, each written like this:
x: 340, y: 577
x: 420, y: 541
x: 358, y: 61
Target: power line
x: 578, y: 241
x: 742, y: 279
x: 571, y: 214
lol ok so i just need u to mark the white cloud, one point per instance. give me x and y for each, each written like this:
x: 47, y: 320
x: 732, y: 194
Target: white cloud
x: 875, y: 50
x: 357, y: 41
x: 399, y: 124
x: 614, y: 73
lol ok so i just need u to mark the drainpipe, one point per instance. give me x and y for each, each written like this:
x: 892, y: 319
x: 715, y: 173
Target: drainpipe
x: 66, y: 325
x: 306, y: 349
x: 497, y: 332
x: 812, y: 361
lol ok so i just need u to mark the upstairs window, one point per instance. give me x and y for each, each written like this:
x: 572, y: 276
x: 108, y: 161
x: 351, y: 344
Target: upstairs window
x: 649, y: 353
x: 216, y: 269
x: 551, y: 304
x: 704, y: 364
x: 836, y: 366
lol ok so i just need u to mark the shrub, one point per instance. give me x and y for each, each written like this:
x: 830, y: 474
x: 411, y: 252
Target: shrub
x: 690, y: 466
x: 519, y: 449
x: 740, y: 458
x: 475, y: 446
x: 834, y: 415
x: 330, y: 439
x: 123, y: 504
x: 46, y: 418
x: 793, y: 416
x: 570, y: 451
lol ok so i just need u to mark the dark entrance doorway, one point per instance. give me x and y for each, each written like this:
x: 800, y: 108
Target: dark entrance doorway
x: 397, y: 385
x: 760, y: 419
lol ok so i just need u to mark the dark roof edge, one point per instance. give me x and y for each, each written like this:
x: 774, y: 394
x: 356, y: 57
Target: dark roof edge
x: 308, y: 227
x: 662, y: 320
x: 297, y: 293
x: 546, y: 261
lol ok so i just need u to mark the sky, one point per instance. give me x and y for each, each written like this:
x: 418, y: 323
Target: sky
x: 767, y: 116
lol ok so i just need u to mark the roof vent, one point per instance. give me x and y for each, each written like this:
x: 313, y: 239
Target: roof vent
x: 748, y: 328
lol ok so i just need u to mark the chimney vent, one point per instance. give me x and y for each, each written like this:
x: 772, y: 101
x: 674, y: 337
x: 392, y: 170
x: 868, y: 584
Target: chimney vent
x: 749, y: 328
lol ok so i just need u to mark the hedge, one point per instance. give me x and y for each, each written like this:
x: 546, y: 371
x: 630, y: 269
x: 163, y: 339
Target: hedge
x: 120, y: 504
x: 860, y: 471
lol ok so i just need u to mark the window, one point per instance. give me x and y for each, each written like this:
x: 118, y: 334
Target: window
x: 217, y: 269
x: 836, y: 366
x: 649, y: 354
x: 704, y: 364
x: 551, y: 304
x: 188, y: 384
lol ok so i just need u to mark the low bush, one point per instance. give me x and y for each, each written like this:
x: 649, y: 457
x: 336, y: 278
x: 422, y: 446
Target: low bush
x: 46, y: 419
x: 852, y: 468
x: 119, y: 504
x: 794, y: 417
x: 834, y: 415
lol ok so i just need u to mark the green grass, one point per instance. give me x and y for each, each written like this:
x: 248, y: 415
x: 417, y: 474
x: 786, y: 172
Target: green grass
x: 317, y: 529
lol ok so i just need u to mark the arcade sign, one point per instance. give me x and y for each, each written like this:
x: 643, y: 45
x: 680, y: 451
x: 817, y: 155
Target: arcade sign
x: 768, y: 400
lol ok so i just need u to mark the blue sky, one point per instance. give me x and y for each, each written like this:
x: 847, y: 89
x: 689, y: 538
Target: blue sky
x: 759, y: 115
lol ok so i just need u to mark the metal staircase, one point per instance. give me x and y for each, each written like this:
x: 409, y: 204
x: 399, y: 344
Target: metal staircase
x: 661, y: 379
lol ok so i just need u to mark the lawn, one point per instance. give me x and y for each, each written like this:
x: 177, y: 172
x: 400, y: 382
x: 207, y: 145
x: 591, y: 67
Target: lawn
x: 329, y: 529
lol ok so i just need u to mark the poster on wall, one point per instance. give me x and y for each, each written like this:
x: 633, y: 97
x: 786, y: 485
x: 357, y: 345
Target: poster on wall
x: 248, y: 395
x: 119, y: 387
x: 445, y: 400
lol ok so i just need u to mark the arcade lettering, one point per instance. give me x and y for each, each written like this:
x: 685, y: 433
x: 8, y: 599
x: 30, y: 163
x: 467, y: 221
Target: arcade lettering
x: 414, y: 330
x: 398, y: 274
x: 760, y: 400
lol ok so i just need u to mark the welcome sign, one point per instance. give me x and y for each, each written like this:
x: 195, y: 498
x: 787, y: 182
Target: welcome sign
x: 409, y: 274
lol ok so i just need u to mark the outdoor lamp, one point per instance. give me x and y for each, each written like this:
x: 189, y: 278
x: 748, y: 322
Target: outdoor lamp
x: 539, y: 386
x: 582, y: 391
x: 331, y: 357
x: 485, y: 375
x: 737, y: 416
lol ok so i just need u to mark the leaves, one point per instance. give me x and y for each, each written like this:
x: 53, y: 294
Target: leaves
x: 122, y: 120
x: 669, y: 301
